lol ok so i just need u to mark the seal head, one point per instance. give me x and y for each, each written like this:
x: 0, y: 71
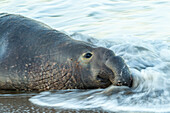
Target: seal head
x: 101, y: 68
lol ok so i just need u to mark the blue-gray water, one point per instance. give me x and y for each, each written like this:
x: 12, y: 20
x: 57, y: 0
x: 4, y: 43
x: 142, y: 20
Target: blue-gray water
x: 137, y: 30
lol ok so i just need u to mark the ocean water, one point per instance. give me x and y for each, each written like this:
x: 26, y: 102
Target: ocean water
x: 137, y: 30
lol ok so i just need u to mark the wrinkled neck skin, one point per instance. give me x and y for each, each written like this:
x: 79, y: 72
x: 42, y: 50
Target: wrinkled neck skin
x: 55, y: 76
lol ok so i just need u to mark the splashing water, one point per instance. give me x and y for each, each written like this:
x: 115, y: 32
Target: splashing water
x: 149, y: 62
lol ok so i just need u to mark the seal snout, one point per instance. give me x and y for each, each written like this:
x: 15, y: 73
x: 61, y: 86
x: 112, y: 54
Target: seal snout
x: 121, y: 75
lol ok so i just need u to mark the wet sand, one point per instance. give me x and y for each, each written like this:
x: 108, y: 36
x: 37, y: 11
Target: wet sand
x: 19, y: 103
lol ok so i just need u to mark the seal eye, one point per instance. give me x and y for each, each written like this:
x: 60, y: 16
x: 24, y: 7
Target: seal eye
x: 88, y: 55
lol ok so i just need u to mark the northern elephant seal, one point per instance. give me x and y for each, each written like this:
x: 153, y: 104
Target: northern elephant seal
x: 33, y: 56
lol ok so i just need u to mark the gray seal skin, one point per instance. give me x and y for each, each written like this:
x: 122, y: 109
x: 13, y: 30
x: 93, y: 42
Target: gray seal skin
x: 34, y: 56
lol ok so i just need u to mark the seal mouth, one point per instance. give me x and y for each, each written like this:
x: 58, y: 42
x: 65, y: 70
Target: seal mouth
x: 99, y: 78
x: 116, y: 81
x: 121, y: 82
x: 108, y: 81
x: 104, y: 81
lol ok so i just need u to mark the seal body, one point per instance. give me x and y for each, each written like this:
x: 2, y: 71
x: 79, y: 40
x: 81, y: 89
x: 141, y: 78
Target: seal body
x: 33, y: 56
